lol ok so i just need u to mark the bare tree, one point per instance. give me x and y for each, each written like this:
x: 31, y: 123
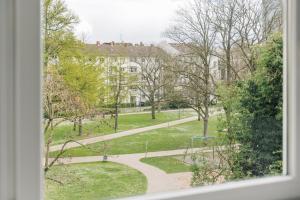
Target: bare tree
x: 57, y: 105
x: 153, y: 77
x: 194, y: 32
x: 250, y: 31
x: 256, y: 20
x: 224, y: 19
x: 240, y: 25
x: 272, y: 16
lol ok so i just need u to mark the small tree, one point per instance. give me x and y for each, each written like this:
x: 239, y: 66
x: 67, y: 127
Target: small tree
x: 83, y: 76
x: 118, y: 84
x: 57, y: 105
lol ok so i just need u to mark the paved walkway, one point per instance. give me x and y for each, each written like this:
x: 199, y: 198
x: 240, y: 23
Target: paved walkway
x: 121, y: 134
x: 125, y: 133
x: 85, y: 121
x: 158, y: 180
x: 186, y: 110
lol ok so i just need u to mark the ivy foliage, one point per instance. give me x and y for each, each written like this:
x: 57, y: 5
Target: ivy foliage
x: 258, y: 114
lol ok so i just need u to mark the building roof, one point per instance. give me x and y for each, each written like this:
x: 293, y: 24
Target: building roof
x: 123, y: 49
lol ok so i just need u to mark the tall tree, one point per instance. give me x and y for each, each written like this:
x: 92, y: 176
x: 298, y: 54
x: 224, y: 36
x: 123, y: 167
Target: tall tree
x: 240, y: 27
x: 57, y: 34
x: 58, y: 24
x: 224, y: 19
x: 256, y: 21
x: 71, y: 79
x: 254, y: 147
x: 82, y: 75
x: 153, y: 76
x: 194, y: 32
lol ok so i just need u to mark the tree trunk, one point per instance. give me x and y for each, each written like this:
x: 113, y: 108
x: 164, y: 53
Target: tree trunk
x: 116, y: 117
x: 228, y: 118
x: 206, y: 101
x: 74, y: 125
x: 205, y: 122
x: 47, y: 154
x: 228, y: 70
x: 153, y: 110
x: 199, y: 115
x: 158, y: 107
x: 80, y: 126
x: 205, y: 127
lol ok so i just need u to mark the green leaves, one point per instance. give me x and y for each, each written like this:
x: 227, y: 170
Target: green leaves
x: 58, y: 24
x: 258, y: 127
x: 82, y: 75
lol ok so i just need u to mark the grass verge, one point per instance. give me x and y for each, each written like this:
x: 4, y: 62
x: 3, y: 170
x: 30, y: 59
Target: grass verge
x: 169, y: 164
x: 126, y: 122
x: 175, y: 137
x: 94, y: 181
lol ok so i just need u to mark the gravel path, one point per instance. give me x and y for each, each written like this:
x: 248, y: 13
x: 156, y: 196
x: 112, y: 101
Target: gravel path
x: 162, y: 111
x: 158, y: 180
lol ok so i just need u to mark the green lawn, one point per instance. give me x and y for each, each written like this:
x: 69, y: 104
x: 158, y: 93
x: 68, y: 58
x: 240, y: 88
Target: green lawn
x: 169, y: 164
x: 94, y: 181
x: 176, y: 137
x: 126, y: 122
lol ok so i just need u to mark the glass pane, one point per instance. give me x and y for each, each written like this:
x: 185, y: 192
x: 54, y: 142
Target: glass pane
x: 149, y: 96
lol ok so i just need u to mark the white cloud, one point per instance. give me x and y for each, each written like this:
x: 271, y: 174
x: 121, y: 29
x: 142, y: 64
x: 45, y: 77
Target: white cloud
x: 84, y: 30
x: 129, y: 20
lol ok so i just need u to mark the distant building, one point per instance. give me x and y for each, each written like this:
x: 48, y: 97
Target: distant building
x: 129, y: 57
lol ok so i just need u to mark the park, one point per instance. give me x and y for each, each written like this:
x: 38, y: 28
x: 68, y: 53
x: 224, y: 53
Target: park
x: 202, y: 105
x: 155, y: 154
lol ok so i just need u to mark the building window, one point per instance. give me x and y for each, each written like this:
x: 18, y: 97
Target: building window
x: 133, y: 69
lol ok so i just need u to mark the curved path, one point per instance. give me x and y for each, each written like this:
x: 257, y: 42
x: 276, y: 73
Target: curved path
x: 158, y: 180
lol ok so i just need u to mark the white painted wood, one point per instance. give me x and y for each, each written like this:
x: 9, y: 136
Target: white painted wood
x: 28, y: 99
x: 7, y: 150
x: 20, y: 107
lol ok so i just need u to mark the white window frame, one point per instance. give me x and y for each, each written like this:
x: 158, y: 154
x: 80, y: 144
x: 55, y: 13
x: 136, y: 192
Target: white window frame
x: 21, y: 138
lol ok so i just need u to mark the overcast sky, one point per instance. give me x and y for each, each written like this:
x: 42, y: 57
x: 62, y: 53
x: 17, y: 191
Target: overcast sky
x: 127, y: 20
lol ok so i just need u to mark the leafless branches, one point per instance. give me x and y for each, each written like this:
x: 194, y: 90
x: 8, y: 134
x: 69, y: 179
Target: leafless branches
x: 196, y: 35
x: 153, y: 76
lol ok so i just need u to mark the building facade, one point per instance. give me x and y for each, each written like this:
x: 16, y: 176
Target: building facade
x: 138, y: 59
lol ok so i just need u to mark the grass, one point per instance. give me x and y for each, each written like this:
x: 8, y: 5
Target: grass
x: 169, y: 164
x: 94, y: 181
x: 126, y: 122
x: 176, y: 137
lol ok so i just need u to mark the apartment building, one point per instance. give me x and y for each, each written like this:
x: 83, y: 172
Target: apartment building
x: 135, y: 59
